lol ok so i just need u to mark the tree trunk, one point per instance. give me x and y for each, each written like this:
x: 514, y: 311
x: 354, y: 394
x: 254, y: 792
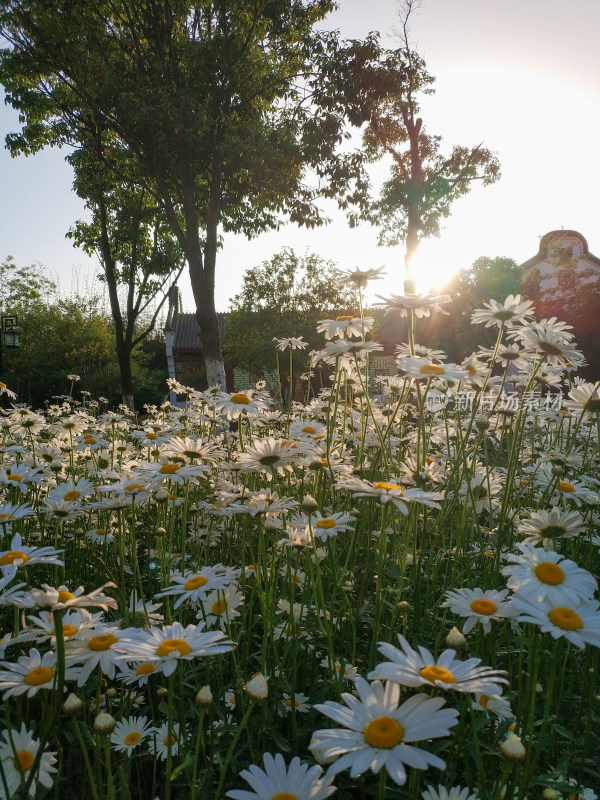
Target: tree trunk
x: 124, y: 359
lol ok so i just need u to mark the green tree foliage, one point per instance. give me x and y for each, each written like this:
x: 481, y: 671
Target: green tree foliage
x: 285, y: 296
x: 380, y: 90
x: 128, y: 232
x: 67, y: 336
x: 486, y: 279
x: 213, y: 100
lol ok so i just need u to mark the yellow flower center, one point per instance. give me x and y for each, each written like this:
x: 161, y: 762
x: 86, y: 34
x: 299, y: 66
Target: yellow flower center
x: 38, y: 676
x: 169, y: 469
x: 68, y: 630
x: 195, y: 583
x: 25, y: 760
x: 483, y: 606
x: 64, y: 595
x: 173, y: 645
x: 565, y: 486
x: 100, y: 532
x: 326, y: 523
x: 132, y: 738
x: 145, y: 669
x: 14, y: 477
x: 72, y: 495
x: 166, y: 740
x: 387, y: 486
x: 151, y: 435
x: 565, y: 618
x: 11, y: 556
x: 103, y: 642
x: 308, y: 429
x: 384, y: 732
x: 547, y: 572
x: 5, y: 518
x: 432, y: 369
x: 289, y: 703
x: 284, y: 796
x: 219, y: 607
x: 344, y: 318
x: 240, y: 398
x: 433, y: 673
x: 134, y: 487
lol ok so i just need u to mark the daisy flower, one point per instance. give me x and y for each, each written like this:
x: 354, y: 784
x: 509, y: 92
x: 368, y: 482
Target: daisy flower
x: 495, y: 704
x: 30, y: 674
x: 95, y: 647
x: 129, y: 733
x: 415, y: 367
x: 10, y: 512
x: 137, y: 672
x: 503, y: 314
x: 269, y: 456
x: 42, y: 628
x: 159, y: 738
x: 18, y: 751
x: 377, y: 731
x: 543, y: 527
x: 298, y: 703
x: 325, y: 527
x: 345, y: 326
x: 191, y: 448
x: 545, y: 575
x: 577, y: 622
x: 359, y: 277
x: 410, y: 668
x: 237, y: 404
x: 61, y: 598
x: 19, y: 555
x: 278, y: 782
x: 585, y: 399
x: 294, y: 342
x: 552, y: 347
x: 166, y: 646
x: 343, y: 670
x: 71, y: 490
x: 421, y: 304
x: 389, y: 492
x: 455, y: 793
x: 193, y: 587
x: 221, y: 606
x: 479, y: 606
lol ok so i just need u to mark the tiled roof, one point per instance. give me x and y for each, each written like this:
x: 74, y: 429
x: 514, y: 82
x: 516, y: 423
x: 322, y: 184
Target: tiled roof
x: 187, y: 333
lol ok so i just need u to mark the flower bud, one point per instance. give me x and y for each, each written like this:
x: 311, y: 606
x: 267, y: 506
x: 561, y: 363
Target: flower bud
x: 72, y: 704
x: 204, y: 697
x: 550, y: 794
x: 482, y: 422
x: 455, y: 638
x: 104, y: 723
x: 160, y: 531
x: 111, y: 692
x: 309, y: 504
x: 257, y: 687
x: 512, y: 747
x: 161, y: 496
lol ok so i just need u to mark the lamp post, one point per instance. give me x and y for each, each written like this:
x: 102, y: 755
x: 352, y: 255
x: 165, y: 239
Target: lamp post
x: 10, y: 336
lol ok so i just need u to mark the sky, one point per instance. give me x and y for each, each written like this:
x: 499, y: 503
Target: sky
x: 520, y: 76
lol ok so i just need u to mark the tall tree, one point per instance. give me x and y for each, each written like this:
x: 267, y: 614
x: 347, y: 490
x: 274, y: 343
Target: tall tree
x: 128, y: 232
x: 285, y: 296
x: 381, y: 90
x: 213, y: 99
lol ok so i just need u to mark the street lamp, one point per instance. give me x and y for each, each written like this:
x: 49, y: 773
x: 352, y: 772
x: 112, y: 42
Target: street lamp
x: 10, y: 336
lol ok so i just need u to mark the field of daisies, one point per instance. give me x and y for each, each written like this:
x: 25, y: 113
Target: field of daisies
x: 386, y: 591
